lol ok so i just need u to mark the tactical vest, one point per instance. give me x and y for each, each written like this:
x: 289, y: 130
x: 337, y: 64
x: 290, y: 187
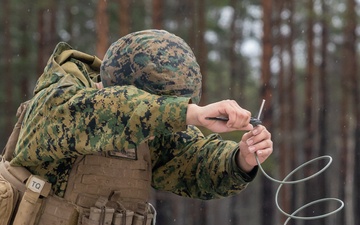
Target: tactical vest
x: 107, y: 188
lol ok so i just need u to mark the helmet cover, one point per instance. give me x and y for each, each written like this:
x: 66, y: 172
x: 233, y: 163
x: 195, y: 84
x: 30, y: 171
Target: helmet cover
x: 155, y: 61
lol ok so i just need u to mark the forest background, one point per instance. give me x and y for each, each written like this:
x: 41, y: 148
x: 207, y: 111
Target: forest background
x: 300, y: 56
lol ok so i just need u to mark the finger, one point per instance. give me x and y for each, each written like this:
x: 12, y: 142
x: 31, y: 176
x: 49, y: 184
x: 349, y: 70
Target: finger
x: 248, y: 127
x: 262, y: 144
x: 250, y: 139
x: 262, y: 151
x: 264, y: 154
x: 260, y: 134
x: 240, y: 119
x: 232, y: 113
x: 246, y: 136
x: 258, y: 129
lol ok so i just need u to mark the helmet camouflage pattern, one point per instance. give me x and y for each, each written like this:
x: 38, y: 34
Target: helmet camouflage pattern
x: 155, y: 61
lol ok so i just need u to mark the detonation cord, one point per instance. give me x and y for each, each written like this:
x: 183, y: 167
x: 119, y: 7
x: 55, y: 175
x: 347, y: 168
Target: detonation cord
x: 284, y: 181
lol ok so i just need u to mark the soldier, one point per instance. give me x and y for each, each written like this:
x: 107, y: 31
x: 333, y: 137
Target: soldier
x: 101, y: 141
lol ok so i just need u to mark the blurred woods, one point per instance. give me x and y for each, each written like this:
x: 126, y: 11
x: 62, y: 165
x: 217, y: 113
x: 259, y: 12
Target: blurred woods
x: 300, y: 56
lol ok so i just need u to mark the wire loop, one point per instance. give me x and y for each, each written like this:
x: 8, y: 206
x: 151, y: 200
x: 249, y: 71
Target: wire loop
x: 284, y: 181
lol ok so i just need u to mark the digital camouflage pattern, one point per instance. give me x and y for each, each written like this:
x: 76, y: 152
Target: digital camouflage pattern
x: 68, y: 117
x: 155, y: 61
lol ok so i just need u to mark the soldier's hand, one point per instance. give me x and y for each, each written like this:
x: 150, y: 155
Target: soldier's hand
x: 256, y: 141
x: 238, y: 118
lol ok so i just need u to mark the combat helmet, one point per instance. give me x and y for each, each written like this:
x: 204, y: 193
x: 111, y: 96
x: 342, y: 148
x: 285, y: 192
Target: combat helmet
x: 155, y: 61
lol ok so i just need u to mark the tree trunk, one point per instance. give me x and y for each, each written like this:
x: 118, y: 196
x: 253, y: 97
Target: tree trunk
x: 309, y: 82
x: 8, y: 78
x: 41, y: 46
x: 268, y: 212
x: 24, y: 54
x: 266, y: 91
x: 349, y: 83
x: 348, y: 52
x: 234, y: 91
x: 70, y: 20
x: 47, y: 33
x: 322, y: 106
x: 102, y: 29
x: 202, y: 60
x: 202, y: 51
x: 292, y: 103
x: 311, y: 187
x: 157, y: 13
x: 124, y: 17
x: 352, y: 38
x: 191, y: 6
x: 284, y: 118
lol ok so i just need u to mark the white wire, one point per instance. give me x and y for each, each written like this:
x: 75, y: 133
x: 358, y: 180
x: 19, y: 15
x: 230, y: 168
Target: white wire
x: 284, y: 181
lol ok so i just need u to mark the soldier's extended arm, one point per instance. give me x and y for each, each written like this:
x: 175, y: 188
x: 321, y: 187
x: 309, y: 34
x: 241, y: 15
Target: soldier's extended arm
x: 189, y: 164
x: 69, y: 122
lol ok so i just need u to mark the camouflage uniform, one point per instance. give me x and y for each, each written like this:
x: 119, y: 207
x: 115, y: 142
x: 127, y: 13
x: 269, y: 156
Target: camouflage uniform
x: 68, y: 117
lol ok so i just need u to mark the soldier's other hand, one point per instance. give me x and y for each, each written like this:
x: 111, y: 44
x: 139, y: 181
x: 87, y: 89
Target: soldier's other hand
x: 256, y: 141
x: 238, y: 118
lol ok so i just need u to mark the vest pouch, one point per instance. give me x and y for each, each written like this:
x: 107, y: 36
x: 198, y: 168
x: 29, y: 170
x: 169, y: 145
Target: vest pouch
x: 8, y: 200
x: 36, y: 189
x: 123, y: 218
x: 28, y: 208
x: 57, y: 211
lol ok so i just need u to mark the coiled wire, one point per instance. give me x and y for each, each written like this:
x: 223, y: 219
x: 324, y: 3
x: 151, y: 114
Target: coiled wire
x: 284, y: 181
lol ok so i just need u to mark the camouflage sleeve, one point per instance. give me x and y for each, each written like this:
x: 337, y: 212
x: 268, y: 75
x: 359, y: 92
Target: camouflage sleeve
x: 189, y: 164
x: 72, y: 121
